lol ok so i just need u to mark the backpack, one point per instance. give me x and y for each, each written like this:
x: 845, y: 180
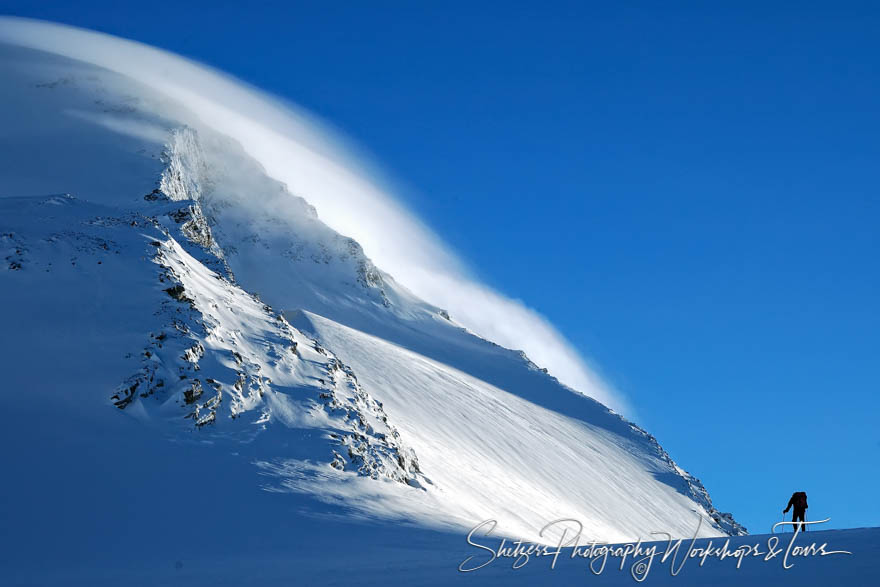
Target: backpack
x: 799, y: 500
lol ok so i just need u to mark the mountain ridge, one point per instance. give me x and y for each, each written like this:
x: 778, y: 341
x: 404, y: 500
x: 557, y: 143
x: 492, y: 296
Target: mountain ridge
x: 196, y: 260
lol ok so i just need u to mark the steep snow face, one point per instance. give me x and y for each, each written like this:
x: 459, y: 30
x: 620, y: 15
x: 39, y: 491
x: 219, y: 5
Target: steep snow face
x: 193, y: 314
x: 472, y: 408
x: 215, y: 360
x: 319, y: 269
x: 496, y: 455
x: 293, y: 148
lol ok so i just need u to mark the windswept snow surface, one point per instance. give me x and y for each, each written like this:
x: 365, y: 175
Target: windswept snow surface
x: 298, y: 151
x: 193, y: 378
x: 497, y: 455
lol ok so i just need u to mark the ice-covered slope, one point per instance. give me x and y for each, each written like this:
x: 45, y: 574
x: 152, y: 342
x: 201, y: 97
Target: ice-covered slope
x: 181, y: 294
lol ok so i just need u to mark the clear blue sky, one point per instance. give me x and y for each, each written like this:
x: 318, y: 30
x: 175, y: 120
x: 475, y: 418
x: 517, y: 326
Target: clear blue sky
x: 689, y: 192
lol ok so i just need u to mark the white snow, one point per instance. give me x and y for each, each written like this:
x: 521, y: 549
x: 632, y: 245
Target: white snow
x: 193, y: 379
x: 297, y: 150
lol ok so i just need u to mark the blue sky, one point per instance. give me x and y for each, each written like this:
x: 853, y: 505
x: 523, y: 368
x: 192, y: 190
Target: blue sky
x: 689, y: 193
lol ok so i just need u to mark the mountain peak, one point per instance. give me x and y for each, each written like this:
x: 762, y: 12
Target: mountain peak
x: 203, y: 302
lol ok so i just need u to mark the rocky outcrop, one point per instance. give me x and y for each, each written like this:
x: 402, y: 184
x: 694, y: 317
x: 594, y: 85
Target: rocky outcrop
x: 694, y: 489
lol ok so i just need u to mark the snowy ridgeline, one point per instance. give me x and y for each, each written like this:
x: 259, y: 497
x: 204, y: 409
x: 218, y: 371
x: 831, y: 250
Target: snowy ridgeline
x: 215, y: 351
x: 182, y: 300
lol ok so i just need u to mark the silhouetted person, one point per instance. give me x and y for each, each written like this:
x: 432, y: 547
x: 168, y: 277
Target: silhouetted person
x: 798, y: 501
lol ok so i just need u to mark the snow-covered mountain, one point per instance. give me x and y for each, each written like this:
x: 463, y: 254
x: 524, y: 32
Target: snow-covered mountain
x: 170, y: 305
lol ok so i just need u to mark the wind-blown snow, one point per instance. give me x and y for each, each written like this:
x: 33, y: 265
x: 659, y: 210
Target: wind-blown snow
x: 223, y: 363
x: 302, y: 153
x: 204, y: 383
x: 190, y: 376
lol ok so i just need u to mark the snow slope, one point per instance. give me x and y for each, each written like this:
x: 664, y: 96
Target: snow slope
x: 196, y: 366
x: 311, y: 160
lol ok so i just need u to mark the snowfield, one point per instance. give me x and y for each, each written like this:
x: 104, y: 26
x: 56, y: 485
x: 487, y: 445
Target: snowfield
x: 204, y: 383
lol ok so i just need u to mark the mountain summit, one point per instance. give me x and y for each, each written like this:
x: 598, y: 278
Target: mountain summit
x: 187, y: 335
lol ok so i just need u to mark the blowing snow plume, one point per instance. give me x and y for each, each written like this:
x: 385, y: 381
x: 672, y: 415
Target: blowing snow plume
x: 298, y: 151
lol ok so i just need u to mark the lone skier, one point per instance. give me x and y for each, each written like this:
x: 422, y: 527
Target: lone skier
x: 798, y: 501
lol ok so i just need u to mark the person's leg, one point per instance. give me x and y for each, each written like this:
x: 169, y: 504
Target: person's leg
x: 798, y: 515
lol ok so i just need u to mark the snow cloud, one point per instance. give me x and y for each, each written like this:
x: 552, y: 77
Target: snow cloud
x: 316, y: 163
